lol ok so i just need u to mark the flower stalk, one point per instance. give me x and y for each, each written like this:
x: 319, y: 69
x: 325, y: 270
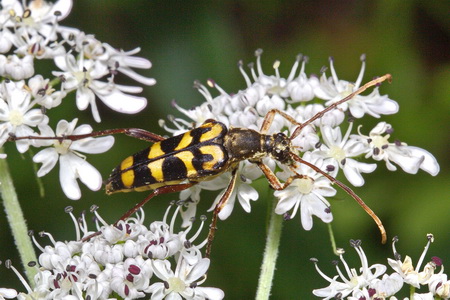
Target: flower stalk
x: 16, y: 219
x: 270, y: 253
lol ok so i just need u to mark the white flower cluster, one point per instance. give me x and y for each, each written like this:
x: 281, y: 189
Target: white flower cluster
x: 127, y: 261
x: 366, y: 283
x: 30, y: 32
x: 321, y: 143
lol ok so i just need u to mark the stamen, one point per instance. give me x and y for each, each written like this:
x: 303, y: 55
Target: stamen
x: 69, y: 210
x: 258, y: 54
x: 430, y: 238
x: 31, y: 234
x: 252, y: 71
x: 291, y: 76
x: 361, y: 72
x: 93, y: 209
x: 276, y: 66
x: 9, y: 265
x: 333, y: 71
x: 315, y: 261
x: 244, y: 74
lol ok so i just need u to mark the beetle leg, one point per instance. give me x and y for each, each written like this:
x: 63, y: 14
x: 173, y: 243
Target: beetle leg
x: 273, y: 179
x: 219, y: 206
x: 268, y: 119
x: 159, y: 191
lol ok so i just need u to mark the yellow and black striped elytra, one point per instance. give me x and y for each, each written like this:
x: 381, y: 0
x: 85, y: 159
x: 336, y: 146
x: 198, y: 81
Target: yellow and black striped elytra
x: 193, y: 156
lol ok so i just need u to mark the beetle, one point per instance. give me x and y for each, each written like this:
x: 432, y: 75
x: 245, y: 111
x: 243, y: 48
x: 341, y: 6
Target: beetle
x: 176, y: 163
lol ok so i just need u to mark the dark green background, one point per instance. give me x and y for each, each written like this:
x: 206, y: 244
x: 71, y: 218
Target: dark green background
x: 199, y: 40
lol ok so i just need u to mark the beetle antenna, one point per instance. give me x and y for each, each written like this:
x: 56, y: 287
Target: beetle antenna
x: 319, y: 115
x: 348, y: 191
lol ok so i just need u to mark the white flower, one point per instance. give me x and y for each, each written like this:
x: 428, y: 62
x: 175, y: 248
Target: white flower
x: 97, y: 268
x: 242, y: 190
x: 124, y: 61
x: 340, y: 151
x: 38, y: 17
x: 409, y: 158
x: 83, y: 76
x: 351, y: 280
x: 17, y: 68
x: 439, y: 285
x: 132, y: 277
x: 185, y: 281
x: 43, y: 93
x: 333, y: 90
x: 17, y: 114
x: 307, y: 192
x: 411, y: 275
x: 72, y: 164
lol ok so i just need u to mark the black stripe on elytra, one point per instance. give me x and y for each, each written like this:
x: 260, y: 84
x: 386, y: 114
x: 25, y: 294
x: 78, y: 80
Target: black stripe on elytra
x: 173, y: 168
x: 143, y: 176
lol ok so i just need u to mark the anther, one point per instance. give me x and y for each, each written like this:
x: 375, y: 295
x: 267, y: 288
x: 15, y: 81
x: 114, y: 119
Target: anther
x: 93, y: 208
x: 211, y: 83
x: 397, y: 143
x: 68, y: 209
x: 355, y: 243
x: 166, y: 285
x: 258, y: 52
x: 363, y: 57
x: 318, y: 145
x: 323, y: 69
x: 385, y: 146
x: 243, y: 178
x: 57, y: 13
x: 314, y: 260
x: 187, y: 244
x: 389, y: 130
x: 340, y: 251
x: 26, y: 13
x: 330, y: 168
x: 437, y: 261
x: 8, y: 263
x: 343, y: 162
x: 376, y: 151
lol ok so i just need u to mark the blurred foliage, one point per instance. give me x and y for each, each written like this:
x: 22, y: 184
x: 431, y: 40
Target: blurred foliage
x: 188, y: 40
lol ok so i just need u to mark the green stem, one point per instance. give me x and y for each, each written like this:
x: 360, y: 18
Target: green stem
x: 332, y: 240
x: 270, y: 254
x: 16, y: 220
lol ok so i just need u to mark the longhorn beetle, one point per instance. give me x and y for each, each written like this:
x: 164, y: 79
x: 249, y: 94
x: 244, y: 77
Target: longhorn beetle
x: 177, y: 163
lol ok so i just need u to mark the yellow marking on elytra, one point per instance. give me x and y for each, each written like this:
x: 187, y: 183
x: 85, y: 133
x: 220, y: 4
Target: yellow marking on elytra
x: 127, y: 177
x: 186, y: 140
x: 215, y: 131
x: 156, y: 169
x: 216, y: 152
x: 187, y: 157
x: 155, y: 151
